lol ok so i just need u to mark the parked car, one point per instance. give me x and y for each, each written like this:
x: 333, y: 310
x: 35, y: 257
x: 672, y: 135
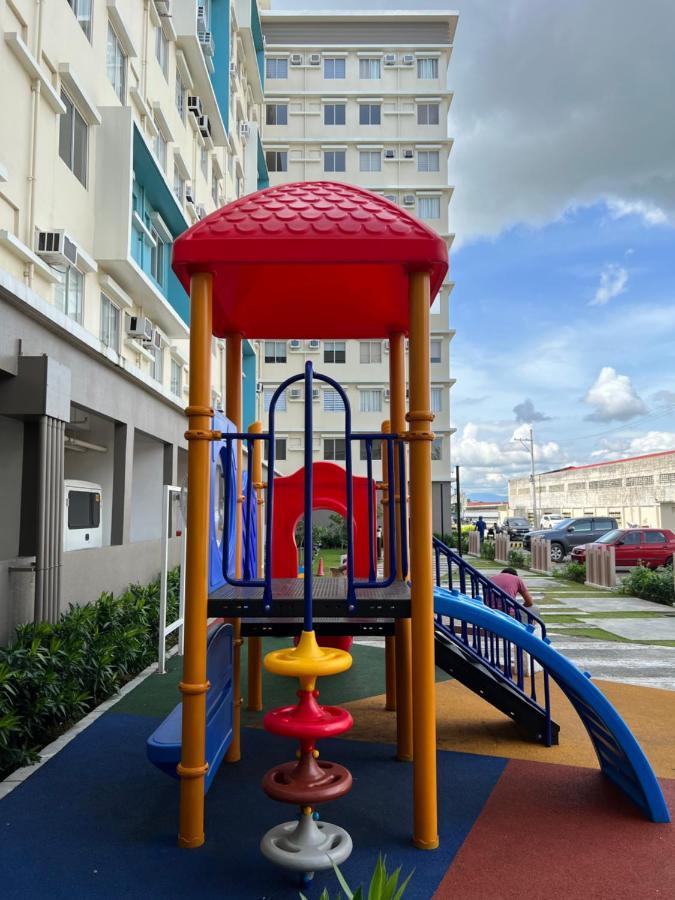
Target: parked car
x: 550, y: 520
x: 515, y: 527
x: 652, y: 547
x: 569, y: 533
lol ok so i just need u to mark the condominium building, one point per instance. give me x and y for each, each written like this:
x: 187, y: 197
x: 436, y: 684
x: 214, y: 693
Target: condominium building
x: 360, y: 98
x: 122, y: 124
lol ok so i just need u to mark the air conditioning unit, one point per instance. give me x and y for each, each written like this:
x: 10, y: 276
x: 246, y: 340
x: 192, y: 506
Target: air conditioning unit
x: 296, y: 59
x: 392, y: 198
x: 244, y: 130
x: 390, y: 154
x: 408, y: 153
x: 295, y: 345
x: 202, y: 24
x: 140, y: 327
x: 315, y: 59
x: 195, y: 106
x: 233, y: 68
x: 201, y: 211
x: 390, y: 59
x: 408, y: 59
x: 295, y: 394
x: 386, y: 346
x: 163, y: 7
x: 386, y: 393
x: 56, y: 248
x: 316, y: 394
x: 259, y: 387
x: 206, y: 41
x: 204, y: 126
x: 157, y: 339
x: 408, y: 199
x: 313, y: 345
x: 189, y: 196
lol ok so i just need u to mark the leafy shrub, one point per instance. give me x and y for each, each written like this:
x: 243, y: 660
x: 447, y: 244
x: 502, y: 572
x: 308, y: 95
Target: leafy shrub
x: 573, y: 571
x: 655, y: 585
x: 518, y: 559
x: 383, y: 885
x: 449, y: 538
x: 52, y: 675
x: 487, y: 550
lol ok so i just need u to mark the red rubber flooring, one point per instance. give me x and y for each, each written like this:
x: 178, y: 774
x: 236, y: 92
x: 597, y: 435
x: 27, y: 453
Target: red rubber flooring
x: 591, y: 843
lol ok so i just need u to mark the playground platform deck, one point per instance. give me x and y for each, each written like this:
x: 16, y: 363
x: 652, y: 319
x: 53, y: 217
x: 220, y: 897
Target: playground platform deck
x: 516, y: 819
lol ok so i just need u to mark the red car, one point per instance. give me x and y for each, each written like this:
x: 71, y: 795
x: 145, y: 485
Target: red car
x: 652, y: 547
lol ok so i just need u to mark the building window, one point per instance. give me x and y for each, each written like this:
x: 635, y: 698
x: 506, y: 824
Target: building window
x: 427, y: 114
x: 157, y: 364
x: 176, y: 378
x: 370, y: 69
x: 180, y: 97
x: 334, y: 161
x: 429, y: 207
x: 276, y: 67
x: 279, y: 449
x: 437, y: 449
x: 277, y: 160
x: 275, y: 351
x: 334, y: 449
x: 334, y: 114
x: 267, y: 400
x: 370, y: 161
x: 73, y: 135
x: 110, y: 324
x: 276, y: 114
x: 116, y: 64
x: 178, y: 185
x: 82, y: 10
x: 369, y: 114
x: 370, y: 352
x: 370, y: 400
x: 160, y: 148
x: 436, y: 399
x: 334, y: 67
x: 435, y: 350
x: 334, y: 352
x: 158, y: 259
x: 376, y: 448
x: 428, y: 161
x: 332, y: 401
x: 427, y: 67
x: 69, y: 293
x: 162, y: 51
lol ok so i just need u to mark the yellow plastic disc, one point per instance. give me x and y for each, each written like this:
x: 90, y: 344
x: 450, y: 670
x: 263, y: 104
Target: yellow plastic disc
x: 308, y: 661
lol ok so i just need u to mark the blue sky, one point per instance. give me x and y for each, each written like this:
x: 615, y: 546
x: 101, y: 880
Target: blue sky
x: 564, y: 209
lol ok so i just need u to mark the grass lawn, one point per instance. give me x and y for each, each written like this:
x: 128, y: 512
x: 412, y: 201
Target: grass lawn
x: 330, y: 557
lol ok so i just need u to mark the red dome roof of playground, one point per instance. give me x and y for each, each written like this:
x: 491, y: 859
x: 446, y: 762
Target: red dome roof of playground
x: 310, y: 260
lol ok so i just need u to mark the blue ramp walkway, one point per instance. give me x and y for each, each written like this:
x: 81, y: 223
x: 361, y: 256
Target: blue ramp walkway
x: 621, y: 757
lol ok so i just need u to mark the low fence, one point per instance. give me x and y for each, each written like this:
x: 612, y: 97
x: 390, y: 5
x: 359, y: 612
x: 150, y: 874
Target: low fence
x: 540, y: 561
x: 502, y: 548
x: 600, y: 565
x: 474, y: 543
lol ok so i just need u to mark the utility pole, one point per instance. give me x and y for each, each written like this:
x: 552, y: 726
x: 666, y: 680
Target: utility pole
x: 458, y: 515
x: 529, y: 444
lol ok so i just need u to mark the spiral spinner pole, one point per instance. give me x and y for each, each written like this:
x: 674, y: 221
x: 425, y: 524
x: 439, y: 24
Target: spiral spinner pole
x: 307, y: 845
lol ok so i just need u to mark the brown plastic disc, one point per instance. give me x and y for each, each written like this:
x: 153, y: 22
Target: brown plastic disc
x: 307, y: 782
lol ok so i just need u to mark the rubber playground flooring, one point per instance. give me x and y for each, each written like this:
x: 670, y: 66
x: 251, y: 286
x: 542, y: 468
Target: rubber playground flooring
x: 515, y: 819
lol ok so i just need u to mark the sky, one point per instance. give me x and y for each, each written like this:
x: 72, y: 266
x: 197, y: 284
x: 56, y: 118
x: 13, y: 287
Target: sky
x: 564, y: 213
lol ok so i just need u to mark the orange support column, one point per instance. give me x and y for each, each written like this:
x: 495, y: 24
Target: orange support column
x: 425, y: 829
x: 194, y: 685
x: 233, y: 411
x: 255, y: 703
x: 390, y: 641
x: 404, y: 721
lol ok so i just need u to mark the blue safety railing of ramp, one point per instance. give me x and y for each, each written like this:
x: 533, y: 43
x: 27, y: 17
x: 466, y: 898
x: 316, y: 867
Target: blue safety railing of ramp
x: 621, y: 757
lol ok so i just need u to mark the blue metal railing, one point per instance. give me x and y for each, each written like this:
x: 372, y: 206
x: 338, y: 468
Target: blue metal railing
x: 494, y: 652
x: 395, y: 487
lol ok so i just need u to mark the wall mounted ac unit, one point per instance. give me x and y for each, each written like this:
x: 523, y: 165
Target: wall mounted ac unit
x: 390, y: 59
x: 316, y: 394
x: 408, y: 59
x: 194, y: 105
x: 315, y: 59
x: 386, y: 393
x: 204, y: 126
x: 202, y: 24
x: 206, y: 41
x: 233, y: 68
x: 390, y: 154
x: 392, y: 198
x: 408, y: 199
x: 140, y: 327
x: 314, y: 345
x: 296, y: 59
x: 295, y: 394
x: 189, y: 196
x: 295, y: 345
x: 244, y: 130
x: 56, y: 248
x: 157, y: 339
x: 408, y: 153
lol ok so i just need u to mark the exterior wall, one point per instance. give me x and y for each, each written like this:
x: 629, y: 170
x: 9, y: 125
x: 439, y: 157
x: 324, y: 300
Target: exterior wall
x: 305, y: 138
x: 640, y: 491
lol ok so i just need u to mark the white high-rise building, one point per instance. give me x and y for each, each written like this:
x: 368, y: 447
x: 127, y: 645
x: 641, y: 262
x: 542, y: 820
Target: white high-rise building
x: 360, y: 98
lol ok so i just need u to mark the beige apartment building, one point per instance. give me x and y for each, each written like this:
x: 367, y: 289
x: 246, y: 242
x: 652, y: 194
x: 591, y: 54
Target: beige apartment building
x: 360, y: 98
x: 123, y: 123
x: 639, y: 490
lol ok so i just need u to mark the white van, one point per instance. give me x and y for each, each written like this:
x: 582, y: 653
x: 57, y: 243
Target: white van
x: 82, y: 527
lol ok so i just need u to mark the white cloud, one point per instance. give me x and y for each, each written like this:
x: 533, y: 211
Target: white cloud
x: 648, y: 212
x: 613, y: 281
x: 664, y: 398
x: 614, y: 398
x: 651, y: 442
x: 526, y: 412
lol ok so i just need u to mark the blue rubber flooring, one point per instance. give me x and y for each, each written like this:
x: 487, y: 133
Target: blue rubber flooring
x: 98, y: 821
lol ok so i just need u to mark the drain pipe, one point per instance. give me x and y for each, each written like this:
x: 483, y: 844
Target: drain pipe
x: 35, y: 109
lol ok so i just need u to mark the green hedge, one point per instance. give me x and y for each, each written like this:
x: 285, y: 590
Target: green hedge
x: 52, y: 675
x: 650, y: 584
x: 573, y: 571
x: 450, y: 540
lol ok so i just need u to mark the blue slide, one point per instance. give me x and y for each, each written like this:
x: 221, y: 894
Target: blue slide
x: 621, y: 757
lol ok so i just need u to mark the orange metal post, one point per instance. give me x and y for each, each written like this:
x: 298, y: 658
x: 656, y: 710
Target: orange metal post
x: 390, y: 641
x: 404, y: 721
x: 233, y: 411
x: 425, y: 829
x: 255, y: 703
x: 194, y: 685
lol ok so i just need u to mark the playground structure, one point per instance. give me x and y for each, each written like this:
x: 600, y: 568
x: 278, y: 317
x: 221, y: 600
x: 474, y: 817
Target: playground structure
x: 252, y: 269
